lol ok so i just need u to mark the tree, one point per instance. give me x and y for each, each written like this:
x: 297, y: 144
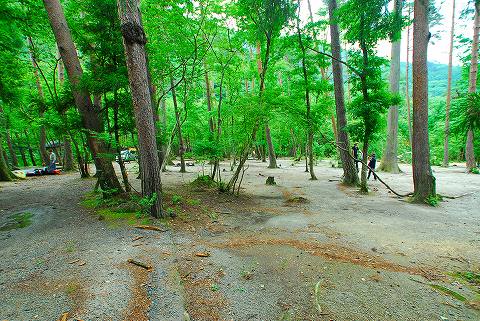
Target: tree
x: 472, y: 87
x: 423, y: 179
x: 366, y: 23
x: 307, y: 98
x: 390, y: 160
x: 134, y: 40
x: 107, y: 178
x: 449, y: 90
x: 350, y: 175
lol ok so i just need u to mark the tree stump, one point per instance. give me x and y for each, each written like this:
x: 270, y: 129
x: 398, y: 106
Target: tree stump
x: 270, y: 180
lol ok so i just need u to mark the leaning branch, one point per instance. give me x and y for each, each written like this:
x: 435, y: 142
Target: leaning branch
x: 353, y: 69
x: 361, y: 161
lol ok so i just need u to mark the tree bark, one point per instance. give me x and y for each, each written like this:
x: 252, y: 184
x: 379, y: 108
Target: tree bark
x: 118, y: 148
x: 68, y: 164
x: 43, y: 135
x: 389, y: 161
x: 407, y: 81
x: 134, y: 40
x: 13, y: 154
x: 30, y: 150
x: 209, y: 98
x: 5, y: 173
x: 350, y: 175
x: 22, y: 151
x: 307, y: 95
x: 272, y: 158
x: 423, y: 179
x: 472, y: 87
x: 449, y: 90
x: 90, y: 119
x: 181, y: 145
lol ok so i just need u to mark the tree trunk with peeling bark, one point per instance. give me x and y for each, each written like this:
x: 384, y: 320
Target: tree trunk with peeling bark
x: 389, y: 161
x: 107, y: 179
x: 350, y: 175
x: 472, y: 87
x: 134, y: 40
x: 423, y: 179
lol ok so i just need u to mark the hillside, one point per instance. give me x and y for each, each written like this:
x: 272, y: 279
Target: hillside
x: 437, y: 78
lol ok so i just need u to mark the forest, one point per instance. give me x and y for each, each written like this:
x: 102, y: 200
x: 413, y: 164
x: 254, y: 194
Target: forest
x: 218, y: 138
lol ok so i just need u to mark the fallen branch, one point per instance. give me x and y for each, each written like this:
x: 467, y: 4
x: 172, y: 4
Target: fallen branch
x: 147, y: 267
x: 455, y: 197
x: 368, y: 167
x: 150, y: 227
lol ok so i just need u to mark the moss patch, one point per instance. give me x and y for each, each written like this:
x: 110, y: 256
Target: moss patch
x: 17, y: 221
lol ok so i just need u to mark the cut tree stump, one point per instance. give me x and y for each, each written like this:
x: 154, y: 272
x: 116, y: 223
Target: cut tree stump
x: 270, y: 180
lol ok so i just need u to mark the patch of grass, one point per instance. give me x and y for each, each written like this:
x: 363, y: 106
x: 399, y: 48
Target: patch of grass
x: 449, y: 292
x: 214, y: 287
x: 204, y: 181
x: 70, y: 247
x: 468, y: 276
x: 193, y: 202
x: 71, y: 288
x: 176, y: 199
x: 475, y: 170
x: 433, y: 200
x: 16, y: 221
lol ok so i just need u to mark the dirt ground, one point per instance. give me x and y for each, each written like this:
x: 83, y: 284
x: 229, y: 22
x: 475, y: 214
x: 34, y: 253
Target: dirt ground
x: 298, y: 250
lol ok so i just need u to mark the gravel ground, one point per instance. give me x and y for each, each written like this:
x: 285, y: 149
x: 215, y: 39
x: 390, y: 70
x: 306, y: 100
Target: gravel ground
x: 333, y: 255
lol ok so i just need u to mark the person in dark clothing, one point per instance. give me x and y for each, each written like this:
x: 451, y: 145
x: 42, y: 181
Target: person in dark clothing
x: 372, y: 163
x: 355, y: 150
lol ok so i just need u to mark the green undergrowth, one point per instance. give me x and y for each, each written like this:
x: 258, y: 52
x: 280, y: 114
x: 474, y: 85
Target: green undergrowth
x: 17, y: 221
x: 134, y: 210
x: 119, y: 210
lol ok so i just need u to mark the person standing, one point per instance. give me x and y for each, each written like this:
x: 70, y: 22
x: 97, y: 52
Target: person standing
x: 372, y: 163
x: 53, y: 162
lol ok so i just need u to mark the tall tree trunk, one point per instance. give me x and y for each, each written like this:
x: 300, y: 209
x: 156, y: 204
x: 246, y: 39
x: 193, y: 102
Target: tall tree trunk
x: 272, y: 158
x: 181, y: 145
x: 5, y: 173
x: 118, y: 148
x: 13, y: 154
x: 134, y: 40
x: 449, y: 90
x: 209, y: 98
x: 407, y: 80
x: 43, y: 135
x: 350, y: 175
x: 307, y: 95
x: 82, y: 164
x: 22, y: 151
x: 69, y: 162
x: 389, y: 161
x: 30, y: 150
x: 90, y: 119
x: 472, y: 87
x: 423, y: 179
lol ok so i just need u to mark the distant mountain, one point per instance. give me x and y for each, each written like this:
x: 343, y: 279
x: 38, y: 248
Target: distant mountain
x: 437, y: 78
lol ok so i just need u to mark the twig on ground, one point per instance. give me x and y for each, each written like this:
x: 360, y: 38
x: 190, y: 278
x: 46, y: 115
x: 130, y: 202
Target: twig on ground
x: 150, y: 227
x: 147, y: 267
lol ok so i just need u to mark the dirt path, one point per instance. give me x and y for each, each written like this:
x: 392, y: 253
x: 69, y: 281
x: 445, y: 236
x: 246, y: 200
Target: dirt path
x: 300, y: 250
